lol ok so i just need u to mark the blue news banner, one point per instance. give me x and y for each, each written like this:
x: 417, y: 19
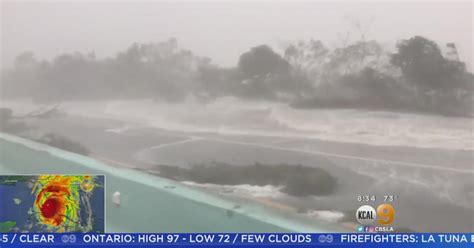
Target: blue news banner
x: 238, y: 239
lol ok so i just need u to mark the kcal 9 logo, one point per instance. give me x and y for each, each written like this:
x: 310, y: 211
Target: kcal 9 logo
x: 385, y: 214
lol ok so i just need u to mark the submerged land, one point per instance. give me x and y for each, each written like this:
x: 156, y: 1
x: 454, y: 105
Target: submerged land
x: 268, y: 169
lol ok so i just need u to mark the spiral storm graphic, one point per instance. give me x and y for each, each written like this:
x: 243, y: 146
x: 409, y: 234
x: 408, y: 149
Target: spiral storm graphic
x: 59, y: 202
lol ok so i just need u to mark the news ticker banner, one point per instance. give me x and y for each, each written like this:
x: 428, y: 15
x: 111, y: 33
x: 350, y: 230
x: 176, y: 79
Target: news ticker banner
x: 239, y: 239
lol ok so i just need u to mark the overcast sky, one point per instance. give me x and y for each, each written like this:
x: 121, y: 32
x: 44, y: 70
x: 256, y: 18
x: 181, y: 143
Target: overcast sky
x: 222, y: 31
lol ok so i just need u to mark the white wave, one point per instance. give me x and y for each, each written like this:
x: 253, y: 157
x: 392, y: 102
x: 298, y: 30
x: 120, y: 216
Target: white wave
x: 234, y: 116
x: 123, y: 128
x: 379, y: 128
x: 326, y: 215
x: 266, y: 191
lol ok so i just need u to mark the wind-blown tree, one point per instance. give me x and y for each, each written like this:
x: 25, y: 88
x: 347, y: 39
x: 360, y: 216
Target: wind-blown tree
x: 306, y: 55
x: 307, y: 59
x: 356, y: 57
x: 159, y: 70
x: 70, y: 76
x: 261, y: 61
x: 422, y: 62
x: 22, y: 80
x: 439, y: 83
x: 325, y: 66
x: 268, y: 75
x: 352, y: 76
x: 417, y: 77
x: 156, y: 70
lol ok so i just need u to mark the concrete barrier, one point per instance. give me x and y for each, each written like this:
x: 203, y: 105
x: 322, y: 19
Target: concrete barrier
x: 149, y: 203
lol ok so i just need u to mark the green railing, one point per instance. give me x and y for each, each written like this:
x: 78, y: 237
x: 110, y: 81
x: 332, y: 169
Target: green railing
x: 150, y: 203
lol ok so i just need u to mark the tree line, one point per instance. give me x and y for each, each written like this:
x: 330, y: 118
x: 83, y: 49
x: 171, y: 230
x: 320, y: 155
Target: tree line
x: 417, y: 76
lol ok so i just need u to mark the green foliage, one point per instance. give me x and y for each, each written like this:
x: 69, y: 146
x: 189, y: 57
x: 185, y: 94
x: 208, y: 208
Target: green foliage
x: 156, y: 70
x: 303, y: 181
x: 296, y: 180
x: 421, y: 62
x: 261, y: 74
x: 262, y: 60
x: 363, y: 75
x: 417, y: 77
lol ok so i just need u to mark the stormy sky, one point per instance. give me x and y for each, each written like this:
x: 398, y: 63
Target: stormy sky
x: 222, y: 31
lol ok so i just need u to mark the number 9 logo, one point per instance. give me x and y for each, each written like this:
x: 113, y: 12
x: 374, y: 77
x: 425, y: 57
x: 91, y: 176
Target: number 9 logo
x: 386, y: 214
